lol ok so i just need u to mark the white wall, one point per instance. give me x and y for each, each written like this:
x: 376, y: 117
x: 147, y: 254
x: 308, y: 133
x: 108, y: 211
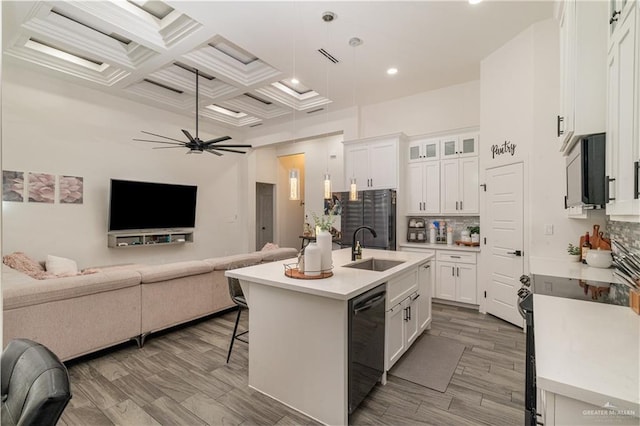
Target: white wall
x: 54, y: 127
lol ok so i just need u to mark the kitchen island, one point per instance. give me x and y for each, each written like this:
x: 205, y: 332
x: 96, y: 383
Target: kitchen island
x: 298, y: 352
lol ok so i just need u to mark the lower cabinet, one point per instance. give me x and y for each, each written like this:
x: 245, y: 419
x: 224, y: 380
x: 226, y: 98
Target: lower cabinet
x: 402, y: 316
x: 426, y: 275
x: 456, y: 276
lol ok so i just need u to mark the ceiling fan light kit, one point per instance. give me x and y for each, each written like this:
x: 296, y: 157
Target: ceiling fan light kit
x: 195, y: 144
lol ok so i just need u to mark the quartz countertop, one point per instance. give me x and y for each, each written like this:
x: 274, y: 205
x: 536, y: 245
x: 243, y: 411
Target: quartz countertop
x: 345, y: 282
x: 588, y: 351
x: 570, y: 269
x: 430, y: 246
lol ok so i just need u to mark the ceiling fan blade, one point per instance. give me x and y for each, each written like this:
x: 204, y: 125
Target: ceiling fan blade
x: 187, y: 134
x: 226, y: 149
x: 228, y: 146
x: 160, y: 136
x: 167, y: 147
x: 168, y: 143
x: 216, y: 140
x: 213, y: 152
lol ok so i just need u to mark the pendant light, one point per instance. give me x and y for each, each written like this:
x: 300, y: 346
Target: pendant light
x: 294, y: 184
x: 354, y: 42
x: 327, y: 17
x: 327, y: 186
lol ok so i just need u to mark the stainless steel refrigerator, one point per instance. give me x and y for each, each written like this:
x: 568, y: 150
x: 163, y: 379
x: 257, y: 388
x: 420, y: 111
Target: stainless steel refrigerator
x: 374, y: 208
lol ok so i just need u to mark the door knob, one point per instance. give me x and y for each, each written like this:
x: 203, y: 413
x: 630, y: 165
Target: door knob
x: 517, y: 252
x: 263, y: 228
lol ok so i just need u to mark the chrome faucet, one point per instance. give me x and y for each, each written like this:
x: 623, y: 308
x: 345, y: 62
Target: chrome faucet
x: 353, y: 241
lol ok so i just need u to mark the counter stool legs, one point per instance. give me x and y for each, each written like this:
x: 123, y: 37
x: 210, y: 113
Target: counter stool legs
x: 236, y: 335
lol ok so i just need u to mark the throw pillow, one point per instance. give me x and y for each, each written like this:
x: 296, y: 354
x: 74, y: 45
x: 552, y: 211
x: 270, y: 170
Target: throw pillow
x: 23, y: 263
x: 270, y: 246
x: 61, y: 266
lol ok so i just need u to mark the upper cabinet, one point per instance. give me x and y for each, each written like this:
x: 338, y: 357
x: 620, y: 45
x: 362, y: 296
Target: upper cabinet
x: 459, y: 146
x: 373, y: 162
x: 421, y: 149
x: 583, y: 51
x: 623, y: 111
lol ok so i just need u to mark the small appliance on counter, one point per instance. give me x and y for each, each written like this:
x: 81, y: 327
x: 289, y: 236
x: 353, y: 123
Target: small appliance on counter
x: 416, y: 230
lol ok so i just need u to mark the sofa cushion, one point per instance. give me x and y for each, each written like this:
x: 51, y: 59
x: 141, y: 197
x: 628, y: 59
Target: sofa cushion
x: 278, y: 254
x: 18, y: 291
x: 23, y: 263
x: 235, y: 261
x: 61, y: 266
x: 156, y: 273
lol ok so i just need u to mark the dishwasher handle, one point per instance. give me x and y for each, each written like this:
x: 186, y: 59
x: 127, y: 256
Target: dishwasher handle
x: 370, y: 302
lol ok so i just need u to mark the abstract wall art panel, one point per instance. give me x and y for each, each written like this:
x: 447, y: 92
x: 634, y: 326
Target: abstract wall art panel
x: 71, y: 189
x: 42, y: 188
x: 12, y: 186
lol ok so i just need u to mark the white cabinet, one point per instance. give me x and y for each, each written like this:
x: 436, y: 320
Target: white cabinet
x: 456, y: 276
x: 623, y: 109
x: 459, y: 185
x: 459, y: 146
x: 426, y: 274
x: 421, y: 149
x: 423, y: 188
x: 402, y: 316
x: 583, y: 49
x: 373, y: 162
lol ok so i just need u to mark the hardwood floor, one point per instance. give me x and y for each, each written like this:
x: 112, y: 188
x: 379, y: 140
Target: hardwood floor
x: 180, y: 378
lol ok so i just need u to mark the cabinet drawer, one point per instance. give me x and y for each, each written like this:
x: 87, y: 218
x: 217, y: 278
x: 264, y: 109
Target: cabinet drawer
x: 456, y: 256
x: 401, y: 287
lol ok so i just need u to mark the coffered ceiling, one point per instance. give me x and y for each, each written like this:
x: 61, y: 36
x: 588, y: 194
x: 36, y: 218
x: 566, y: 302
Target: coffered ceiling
x: 248, y: 52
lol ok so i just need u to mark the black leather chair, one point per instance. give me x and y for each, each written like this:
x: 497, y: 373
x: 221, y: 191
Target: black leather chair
x: 35, y: 385
x: 235, y: 291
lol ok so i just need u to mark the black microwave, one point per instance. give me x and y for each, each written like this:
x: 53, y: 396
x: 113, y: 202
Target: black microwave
x: 586, y: 172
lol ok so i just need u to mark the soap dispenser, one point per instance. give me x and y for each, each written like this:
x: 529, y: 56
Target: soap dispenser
x: 358, y: 250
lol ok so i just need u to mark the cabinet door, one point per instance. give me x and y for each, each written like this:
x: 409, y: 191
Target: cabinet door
x: 622, y: 132
x: 357, y: 165
x: 431, y: 149
x: 425, y: 274
x: 567, y: 71
x: 415, y: 191
x: 446, y: 280
x: 449, y: 147
x: 468, y: 145
x: 395, y: 338
x: 468, y: 184
x: 415, y: 151
x: 431, y: 187
x: 383, y: 167
x: 412, y: 317
x: 449, y: 200
x: 466, y: 283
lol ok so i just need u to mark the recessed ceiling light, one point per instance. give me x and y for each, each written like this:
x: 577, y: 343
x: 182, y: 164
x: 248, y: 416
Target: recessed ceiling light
x: 392, y: 71
x: 474, y: 1
x: 295, y: 81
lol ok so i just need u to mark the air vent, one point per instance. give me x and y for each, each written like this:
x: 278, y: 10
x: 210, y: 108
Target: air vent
x: 157, y: 9
x: 328, y: 55
x: 164, y: 86
x: 315, y: 110
x: 50, y: 46
x: 114, y: 36
x: 193, y: 70
x: 256, y: 125
x: 256, y: 98
x: 234, y: 52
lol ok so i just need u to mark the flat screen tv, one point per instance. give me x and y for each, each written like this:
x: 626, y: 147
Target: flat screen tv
x: 148, y: 205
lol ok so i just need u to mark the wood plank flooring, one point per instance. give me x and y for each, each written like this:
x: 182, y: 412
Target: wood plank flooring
x: 180, y: 378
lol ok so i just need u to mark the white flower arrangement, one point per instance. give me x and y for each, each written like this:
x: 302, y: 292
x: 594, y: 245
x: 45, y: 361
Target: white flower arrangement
x: 324, y: 223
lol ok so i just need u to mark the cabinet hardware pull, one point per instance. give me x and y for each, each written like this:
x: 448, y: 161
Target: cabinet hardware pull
x: 613, y: 17
x: 517, y: 252
x: 560, y: 131
x: 456, y: 205
x: 636, y: 180
x: 460, y: 205
x: 409, y: 307
x: 453, y: 271
x: 427, y: 266
x: 608, y: 181
x: 457, y: 271
x: 455, y: 257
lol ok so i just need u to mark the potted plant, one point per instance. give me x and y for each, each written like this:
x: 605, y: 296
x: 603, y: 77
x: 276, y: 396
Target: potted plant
x: 574, y: 252
x: 475, y: 233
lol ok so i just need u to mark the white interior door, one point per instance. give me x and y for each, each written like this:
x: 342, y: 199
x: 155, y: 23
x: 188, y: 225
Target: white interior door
x: 505, y: 240
x: 264, y: 214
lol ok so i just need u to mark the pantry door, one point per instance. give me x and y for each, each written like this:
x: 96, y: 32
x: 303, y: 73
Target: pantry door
x: 505, y: 240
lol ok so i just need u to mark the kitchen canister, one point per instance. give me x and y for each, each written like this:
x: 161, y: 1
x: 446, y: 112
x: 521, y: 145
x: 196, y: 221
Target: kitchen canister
x: 432, y: 234
x: 449, y: 236
x: 323, y: 239
x: 312, y: 260
x: 465, y: 237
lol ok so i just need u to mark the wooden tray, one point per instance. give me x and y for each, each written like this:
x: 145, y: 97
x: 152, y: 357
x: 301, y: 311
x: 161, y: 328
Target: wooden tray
x: 293, y: 272
x: 467, y: 243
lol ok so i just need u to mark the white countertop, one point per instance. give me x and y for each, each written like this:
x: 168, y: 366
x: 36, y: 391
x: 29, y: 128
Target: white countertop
x: 345, y: 282
x: 430, y: 246
x: 588, y: 351
x: 570, y: 269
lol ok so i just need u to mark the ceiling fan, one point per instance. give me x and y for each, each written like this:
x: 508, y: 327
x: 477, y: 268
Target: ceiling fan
x: 197, y: 145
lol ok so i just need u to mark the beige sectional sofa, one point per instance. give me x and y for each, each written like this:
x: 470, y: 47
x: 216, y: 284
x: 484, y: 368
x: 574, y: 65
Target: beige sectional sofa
x: 74, y: 316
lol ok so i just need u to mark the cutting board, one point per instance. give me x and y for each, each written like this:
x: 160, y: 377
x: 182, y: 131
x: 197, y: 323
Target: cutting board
x: 598, y: 241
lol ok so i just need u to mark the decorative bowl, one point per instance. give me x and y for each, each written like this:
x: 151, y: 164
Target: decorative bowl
x: 599, y: 258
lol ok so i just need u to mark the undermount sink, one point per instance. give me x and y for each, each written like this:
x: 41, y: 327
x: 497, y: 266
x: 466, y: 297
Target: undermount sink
x: 373, y: 264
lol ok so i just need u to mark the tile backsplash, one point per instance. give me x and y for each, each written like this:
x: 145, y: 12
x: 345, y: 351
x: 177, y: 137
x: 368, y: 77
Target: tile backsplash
x: 625, y: 232
x: 458, y: 223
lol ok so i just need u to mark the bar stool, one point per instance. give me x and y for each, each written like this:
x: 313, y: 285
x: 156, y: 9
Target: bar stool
x: 235, y: 291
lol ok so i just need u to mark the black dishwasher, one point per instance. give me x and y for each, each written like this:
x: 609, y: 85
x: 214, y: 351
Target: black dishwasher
x: 366, y: 343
